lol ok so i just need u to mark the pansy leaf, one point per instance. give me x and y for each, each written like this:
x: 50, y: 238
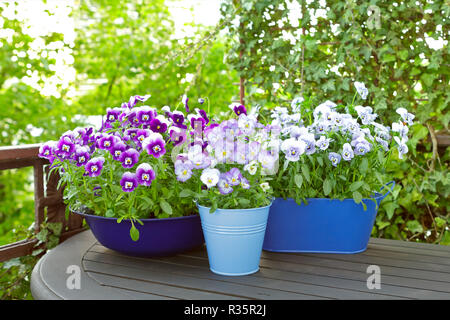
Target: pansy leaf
x: 327, y: 187
x: 165, y: 206
x: 356, y: 185
x: 185, y: 193
x: 109, y: 213
x: 305, y: 171
x: 298, y: 179
x: 134, y: 233
x: 357, y: 196
x: 364, y: 165
x: 320, y: 161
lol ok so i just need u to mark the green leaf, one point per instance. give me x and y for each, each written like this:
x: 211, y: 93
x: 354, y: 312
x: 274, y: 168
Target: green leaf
x: 364, y: 165
x: 446, y: 238
x: 414, y: 226
x: 185, y: 193
x: 42, y: 235
x: 356, y: 185
x: 165, y: 206
x: 388, y: 58
x: 305, y: 171
x: 244, y: 202
x: 320, y: 161
x: 439, y: 222
x: 403, y: 54
x: 390, y: 208
x: 327, y: 186
x: 134, y: 233
x: 55, y: 228
x: 109, y: 213
x: 357, y: 197
x: 298, y: 179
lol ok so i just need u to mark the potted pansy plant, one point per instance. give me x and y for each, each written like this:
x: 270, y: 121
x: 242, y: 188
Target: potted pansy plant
x: 331, y: 178
x: 121, y: 178
x: 227, y: 169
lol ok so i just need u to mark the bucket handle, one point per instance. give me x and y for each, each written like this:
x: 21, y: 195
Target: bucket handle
x: 389, y: 190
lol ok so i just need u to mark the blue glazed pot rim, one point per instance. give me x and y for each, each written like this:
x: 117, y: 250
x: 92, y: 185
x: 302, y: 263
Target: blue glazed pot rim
x: 234, y: 210
x: 376, y: 196
x: 143, y: 220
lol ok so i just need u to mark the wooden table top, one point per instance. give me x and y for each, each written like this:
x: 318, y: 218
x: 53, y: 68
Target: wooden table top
x: 407, y: 270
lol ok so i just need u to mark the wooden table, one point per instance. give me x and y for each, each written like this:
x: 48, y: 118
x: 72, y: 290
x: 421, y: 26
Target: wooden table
x: 408, y: 271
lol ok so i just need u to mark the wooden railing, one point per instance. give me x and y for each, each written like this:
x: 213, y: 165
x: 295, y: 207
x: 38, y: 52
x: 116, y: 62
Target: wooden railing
x: 46, y: 196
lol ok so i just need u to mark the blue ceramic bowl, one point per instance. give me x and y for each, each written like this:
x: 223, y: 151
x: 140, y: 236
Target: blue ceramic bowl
x: 157, y: 237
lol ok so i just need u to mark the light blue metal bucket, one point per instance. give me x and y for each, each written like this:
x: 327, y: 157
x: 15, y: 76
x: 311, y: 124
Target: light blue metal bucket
x: 234, y: 239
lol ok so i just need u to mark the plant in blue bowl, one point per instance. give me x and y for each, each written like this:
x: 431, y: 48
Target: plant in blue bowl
x: 331, y: 177
x: 233, y: 162
x: 122, y: 180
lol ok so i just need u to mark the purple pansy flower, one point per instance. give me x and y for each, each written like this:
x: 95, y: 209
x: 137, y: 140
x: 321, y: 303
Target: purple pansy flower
x: 245, y: 184
x: 362, y: 146
x: 94, y: 166
x: 233, y: 176
x: 106, y: 142
x: 158, y: 125
x: 155, y: 145
x: 239, y: 109
x: 145, y: 174
x: 65, y: 147
x: 185, y: 100
x: 97, y: 191
x: 293, y: 149
x: 197, y: 123
x: 335, y: 158
x: 141, y: 134
x: 177, y: 136
x: 178, y: 119
x: 129, y: 158
x: 112, y: 114
x: 201, y: 100
x: 131, y: 133
x: 183, y: 171
x: 128, y: 182
x: 46, y: 150
x: 117, y: 150
x: 224, y: 185
x: 81, y: 156
x: 145, y: 115
x: 202, y: 113
x: 135, y: 99
x: 85, y: 135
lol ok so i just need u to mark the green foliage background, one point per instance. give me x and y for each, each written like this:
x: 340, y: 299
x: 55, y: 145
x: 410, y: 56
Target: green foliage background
x: 380, y: 43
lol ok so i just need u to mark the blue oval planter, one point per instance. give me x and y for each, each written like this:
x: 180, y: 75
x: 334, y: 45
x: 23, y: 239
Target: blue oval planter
x: 321, y: 226
x: 234, y: 239
x: 158, y: 237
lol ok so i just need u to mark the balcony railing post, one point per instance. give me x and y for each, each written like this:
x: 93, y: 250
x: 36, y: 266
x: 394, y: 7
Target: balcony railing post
x: 38, y: 194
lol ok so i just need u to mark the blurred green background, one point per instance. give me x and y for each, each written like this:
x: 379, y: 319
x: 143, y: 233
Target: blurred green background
x: 62, y: 63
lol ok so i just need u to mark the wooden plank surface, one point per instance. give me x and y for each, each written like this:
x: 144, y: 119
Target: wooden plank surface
x: 408, y: 271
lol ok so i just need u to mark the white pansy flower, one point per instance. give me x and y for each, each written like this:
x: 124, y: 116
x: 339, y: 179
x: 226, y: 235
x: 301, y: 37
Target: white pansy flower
x: 361, y: 89
x: 265, y: 186
x: 210, y: 177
